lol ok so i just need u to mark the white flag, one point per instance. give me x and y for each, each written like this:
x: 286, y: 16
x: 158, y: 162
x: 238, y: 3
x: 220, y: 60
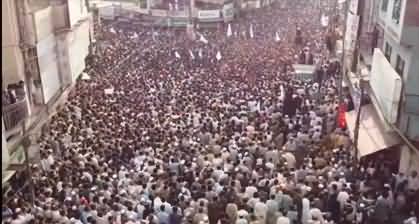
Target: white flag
x: 277, y: 39
x: 324, y: 20
x: 134, y: 36
x: 229, y: 32
x: 218, y: 56
x: 200, y: 53
x: 85, y: 76
x: 177, y: 55
x: 251, y: 31
x: 202, y: 39
x: 109, y: 91
x: 192, y: 56
x: 153, y: 35
x: 254, y: 106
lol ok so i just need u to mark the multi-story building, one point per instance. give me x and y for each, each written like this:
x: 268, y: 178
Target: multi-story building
x: 44, y: 45
x: 388, y: 60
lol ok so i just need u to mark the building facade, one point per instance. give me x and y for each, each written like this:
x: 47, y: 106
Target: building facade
x: 44, y: 46
x: 387, y: 60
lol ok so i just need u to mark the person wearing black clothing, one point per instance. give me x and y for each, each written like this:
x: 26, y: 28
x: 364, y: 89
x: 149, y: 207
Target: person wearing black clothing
x: 306, y: 57
x: 333, y: 205
x: 174, y: 217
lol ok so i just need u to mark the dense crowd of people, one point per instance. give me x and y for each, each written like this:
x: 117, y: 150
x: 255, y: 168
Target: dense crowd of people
x: 166, y: 128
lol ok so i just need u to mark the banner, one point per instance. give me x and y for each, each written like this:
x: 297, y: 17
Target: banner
x: 208, y: 14
x: 386, y: 84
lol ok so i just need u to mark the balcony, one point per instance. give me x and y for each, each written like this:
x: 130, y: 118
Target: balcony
x: 14, y: 114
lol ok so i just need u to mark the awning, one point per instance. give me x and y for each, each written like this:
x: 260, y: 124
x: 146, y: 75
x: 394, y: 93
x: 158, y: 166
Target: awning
x: 372, y: 135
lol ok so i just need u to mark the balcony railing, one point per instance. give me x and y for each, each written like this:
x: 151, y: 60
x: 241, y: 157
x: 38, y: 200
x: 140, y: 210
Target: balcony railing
x: 13, y: 114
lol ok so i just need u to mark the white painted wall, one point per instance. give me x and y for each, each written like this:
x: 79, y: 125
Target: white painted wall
x: 77, y: 11
x: 12, y: 69
x: 409, y: 160
x: 410, y: 56
x: 409, y: 123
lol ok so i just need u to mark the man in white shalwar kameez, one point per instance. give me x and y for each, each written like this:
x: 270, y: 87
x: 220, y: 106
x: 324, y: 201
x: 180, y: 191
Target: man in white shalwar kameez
x: 305, y: 217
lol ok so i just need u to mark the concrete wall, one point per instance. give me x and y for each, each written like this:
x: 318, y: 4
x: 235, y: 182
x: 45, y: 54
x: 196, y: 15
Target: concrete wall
x: 409, y: 160
x: 12, y: 59
x: 409, y: 112
x: 407, y: 30
x: 77, y: 11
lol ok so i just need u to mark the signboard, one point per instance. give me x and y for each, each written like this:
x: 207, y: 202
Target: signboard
x: 178, y: 14
x: 351, y: 31
x: 178, y: 22
x: 304, y: 72
x: 386, y: 85
x: 158, y: 12
x: 48, y: 69
x: 228, y: 12
x: 208, y: 14
x: 107, y: 12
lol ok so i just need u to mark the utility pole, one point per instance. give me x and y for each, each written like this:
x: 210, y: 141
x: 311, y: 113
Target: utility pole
x: 190, y: 12
x: 360, y: 10
x: 26, y: 143
x: 342, y: 56
x: 357, y: 122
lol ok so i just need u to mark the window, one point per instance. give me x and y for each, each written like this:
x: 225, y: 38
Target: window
x: 396, y: 11
x: 384, y: 5
x: 400, y: 65
x: 387, y: 51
